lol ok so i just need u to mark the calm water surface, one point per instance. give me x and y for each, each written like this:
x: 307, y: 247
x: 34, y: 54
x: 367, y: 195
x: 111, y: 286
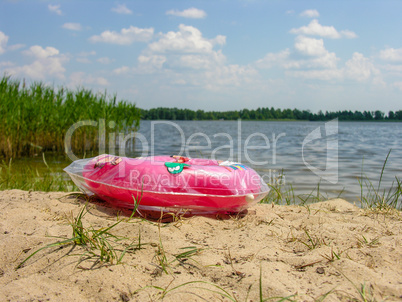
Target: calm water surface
x: 273, y: 148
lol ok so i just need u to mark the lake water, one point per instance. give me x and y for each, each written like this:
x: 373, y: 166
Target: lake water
x: 306, y: 153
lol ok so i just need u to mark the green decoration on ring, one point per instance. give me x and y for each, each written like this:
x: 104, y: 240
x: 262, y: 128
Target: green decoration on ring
x: 175, y: 168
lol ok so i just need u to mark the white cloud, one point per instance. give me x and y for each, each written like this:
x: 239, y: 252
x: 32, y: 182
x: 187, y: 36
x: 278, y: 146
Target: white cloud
x: 154, y: 60
x: 41, y: 53
x: 229, y: 75
x: 55, y: 9
x: 47, y: 62
x: 219, y: 39
x: 217, y: 78
x: 122, y: 9
x: 183, y: 49
x: 6, y: 64
x: 121, y: 70
x: 393, y: 69
x: 3, y: 42
x: 348, y: 34
x: 150, y: 63
x: 125, y: 37
x: 187, y: 40
x: 360, y: 68
x: 308, y: 53
x: 186, y: 57
x: 310, y: 60
x: 398, y: 85
x: 272, y: 59
x: 87, y: 53
x: 391, y: 54
x: 207, y: 62
x: 105, y: 60
x: 72, y: 26
x: 324, y: 74
x: 83, y: 60
x: 379, y: 81
x: 310, y: 46
x: 15, y: 47
x: 316, y: 29
x: 314, y: 48
x: 83, y: 57
x: 310, y: 13
x: 193, y: 13
x: 82, y: 79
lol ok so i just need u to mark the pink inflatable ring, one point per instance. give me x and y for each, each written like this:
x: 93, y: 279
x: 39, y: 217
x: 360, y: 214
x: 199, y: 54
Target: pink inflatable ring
x: 169, y: 183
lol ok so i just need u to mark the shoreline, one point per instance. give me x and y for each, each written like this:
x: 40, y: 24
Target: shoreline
x: 330, y: 248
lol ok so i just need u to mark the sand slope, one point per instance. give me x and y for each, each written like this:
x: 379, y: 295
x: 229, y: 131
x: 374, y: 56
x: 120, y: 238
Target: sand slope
x: 292, y: 247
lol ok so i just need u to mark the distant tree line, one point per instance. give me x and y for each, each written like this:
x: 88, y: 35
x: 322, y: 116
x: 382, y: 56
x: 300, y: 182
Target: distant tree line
x: 265, y: 114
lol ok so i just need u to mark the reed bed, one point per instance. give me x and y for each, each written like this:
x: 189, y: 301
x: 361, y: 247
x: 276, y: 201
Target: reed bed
x: 36, y: 118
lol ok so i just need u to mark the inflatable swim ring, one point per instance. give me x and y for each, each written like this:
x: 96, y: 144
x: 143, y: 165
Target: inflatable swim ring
x: 169, y: 183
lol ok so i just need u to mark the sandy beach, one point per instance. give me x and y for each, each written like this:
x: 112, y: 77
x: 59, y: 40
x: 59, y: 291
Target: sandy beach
x: 332, y: 250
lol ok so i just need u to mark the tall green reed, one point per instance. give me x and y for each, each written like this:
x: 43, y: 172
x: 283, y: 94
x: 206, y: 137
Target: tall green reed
x: 36, y: 118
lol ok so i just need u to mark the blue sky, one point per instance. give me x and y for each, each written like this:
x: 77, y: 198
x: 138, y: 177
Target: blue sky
x: 212, y: 55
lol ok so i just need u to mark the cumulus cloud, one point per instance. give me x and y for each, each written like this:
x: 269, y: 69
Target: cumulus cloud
x: 308, y: 53
x: 183, y: 49
x: 6, y: 64
x: 273, y: 59
x: 310, y: 46
x: 105, y: 60
x: 122, y: 9
x: 150, y: 63
x: 229, y: 75
x: 316, y: 29
x: 193, y: 13
x: 201, y: 61
x: 83, y: 60
x: 72, y: 26
x: 310, y: 60
x: 47, y: 62
x: 15, y: 47
x: 391, y: 54
x: 323, y: 74
x: 187, y: 40
x: 87, y: 53
x: 360, y: 68
x: 55, y: 9
x: 83, y: 57
x: 348, y: 34
x: 217, y: 77
x: 394, y: 69
x: 82, y: 79
x: 121, y: 70
x: 155, y: 60
x: 41, y: 53
x: 186, y: 57
x: 3, y: 42
x: 312, y: 55
x: 126, y: 36
x: 398, y: 85
x: 310, y: 13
